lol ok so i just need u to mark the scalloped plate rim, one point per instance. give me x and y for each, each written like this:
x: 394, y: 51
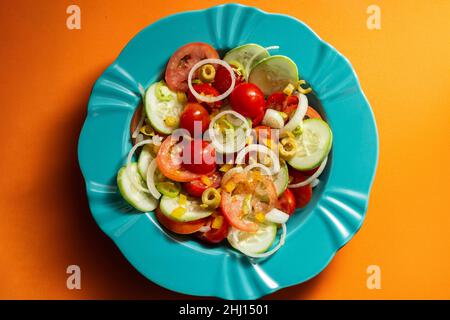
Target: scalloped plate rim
x: 372, y: 177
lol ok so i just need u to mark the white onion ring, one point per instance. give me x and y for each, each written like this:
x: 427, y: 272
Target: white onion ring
x: 129, y: 157
x: 268, y: 253
x: 206, y: 98
x: 315, y: 183
x: 260, y: 148
x: 217, y: 144
x: 204, y: 229
x: 139, y: 125
x: 151, y: 179
x: 312, y: 178
x: 247, y: 67
x: 299, y: 114
x: 258, y: 165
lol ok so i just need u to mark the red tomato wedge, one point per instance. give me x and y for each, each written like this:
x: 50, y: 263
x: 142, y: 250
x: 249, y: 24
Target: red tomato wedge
x: 232, y: 207
x: 180, y: 227
x: 303, y: 194
x: 196, y: 187
x: 171, y: 168
x: 181, y: 62
x: 215, y: 235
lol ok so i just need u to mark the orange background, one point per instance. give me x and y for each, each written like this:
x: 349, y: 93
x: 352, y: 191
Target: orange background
x: 47, y: 72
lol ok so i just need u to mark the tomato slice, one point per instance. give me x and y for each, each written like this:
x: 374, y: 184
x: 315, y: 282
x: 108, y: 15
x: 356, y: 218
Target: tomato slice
x: 286, y: 202
x: 196, y: 187
x: 302, y: 194
x: 247, y: 184
x: 206, y: 90
x: 181, y: 62
x: 169, y: 167
x: 215, y: 235
x: 180, y: 227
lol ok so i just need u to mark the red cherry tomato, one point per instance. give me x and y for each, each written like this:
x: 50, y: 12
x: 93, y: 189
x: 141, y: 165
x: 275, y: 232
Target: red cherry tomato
x: 194, y: 112
x: 196, y: 187
x: 181, y: 62
x: 180, y: 227
x: 215, y: 235
x: 275, y: 101
x: 286, y: 202
x: 206, y: 90
x: 303, y: 194
x: 222, y: 80
x: 168, y: 164
x: 248, y: 100
x: 199, y: 157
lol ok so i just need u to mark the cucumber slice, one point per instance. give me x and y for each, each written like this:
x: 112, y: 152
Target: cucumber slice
x: 314, y: 145
x: 274, y: 74
x: 144, y: 161
x: 192, y: 206
x: 245, y: 54
x: 281, y: 179
x: 257, y: 242
x: 140, y: 200
x: 161, y: 105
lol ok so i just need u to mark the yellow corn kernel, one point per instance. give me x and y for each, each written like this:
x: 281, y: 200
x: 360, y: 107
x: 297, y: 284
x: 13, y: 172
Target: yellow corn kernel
x: 230, y: 186
x: 204, y: 206
x: 260, y: 217
x: 225, y: 167
x: 284, y: 115
x: 217, y: 222
x: 183, y: 200
x: 171, y: 121
x: 178, y: 212
x: 206, y: 180
x: 288, y: 134
x: 289, y: 89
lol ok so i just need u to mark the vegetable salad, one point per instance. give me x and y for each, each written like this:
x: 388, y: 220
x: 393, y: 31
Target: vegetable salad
x: 226, y: 148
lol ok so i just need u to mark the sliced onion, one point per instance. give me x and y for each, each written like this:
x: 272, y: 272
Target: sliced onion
x: 235, y: 147
x: 299, y: 114
x: 258, y: 165
x: 260, y: 149
x: 210, y: 99
x: 151, y: 179
x: 204, y: 229
x: 230, y: 173
x: 247, y: 67
x: 139, y: 125
x: 277, y: 216
x: 268, y: 253
x: 129, y: 157
x: 315, y: 183
x: 312, y: 178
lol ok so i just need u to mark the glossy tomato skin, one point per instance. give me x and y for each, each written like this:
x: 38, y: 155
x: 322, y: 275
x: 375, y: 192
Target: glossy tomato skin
x: 194, y: 112
x: 195, y: 188
x: 248, y: 100
x: 222, y: 81
x: 302, y: 195
x: 215, y: 236
x: 199, y: 157
x: 286, y: 202
x: 281, y: 102
x: 181, y: 62
x: 207, y: 90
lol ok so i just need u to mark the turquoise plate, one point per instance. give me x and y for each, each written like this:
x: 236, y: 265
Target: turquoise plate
x: 336, y: 211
